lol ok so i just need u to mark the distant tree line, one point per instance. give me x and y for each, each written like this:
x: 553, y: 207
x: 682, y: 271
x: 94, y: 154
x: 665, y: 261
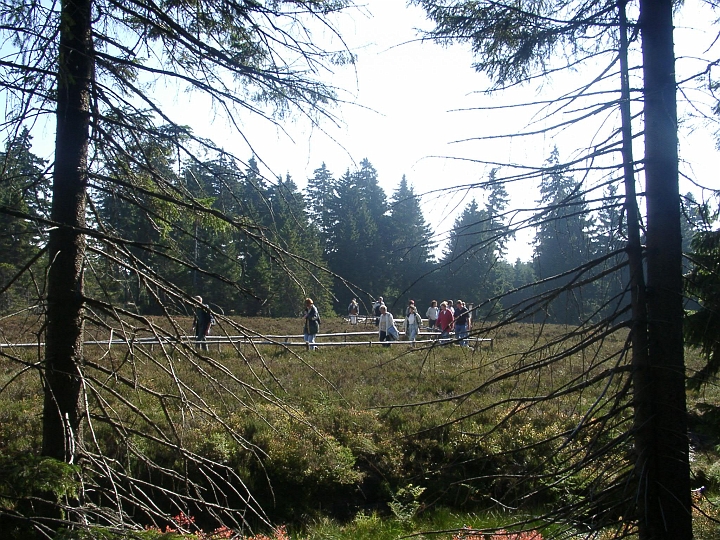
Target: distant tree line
x: 353, y: 241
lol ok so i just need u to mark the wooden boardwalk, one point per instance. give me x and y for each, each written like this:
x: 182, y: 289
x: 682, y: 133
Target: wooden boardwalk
x: 290, y: 340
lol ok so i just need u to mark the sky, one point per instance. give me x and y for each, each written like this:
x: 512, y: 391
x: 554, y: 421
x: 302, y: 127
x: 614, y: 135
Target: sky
x: 408, y: 106
x: 402, y: 90
x: 409, y: 103
x: 413, y: 103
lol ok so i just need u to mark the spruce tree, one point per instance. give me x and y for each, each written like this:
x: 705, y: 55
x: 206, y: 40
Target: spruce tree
x: 295, y: 278
x: 530, y: 40
x: 358, y: 242
x: 23, y: 199
x: 410, y: 257
x: 562, y: 244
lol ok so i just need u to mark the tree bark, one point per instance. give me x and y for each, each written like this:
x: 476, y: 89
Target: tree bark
x: 62, y: 411
x: 660, y: 408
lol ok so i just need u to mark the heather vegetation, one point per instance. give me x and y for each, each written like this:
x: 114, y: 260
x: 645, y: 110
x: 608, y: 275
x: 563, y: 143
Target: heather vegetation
x: 350, y: 442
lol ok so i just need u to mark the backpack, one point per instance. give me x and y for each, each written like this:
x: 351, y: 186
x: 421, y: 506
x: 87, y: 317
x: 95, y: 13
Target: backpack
x: 393, y: 332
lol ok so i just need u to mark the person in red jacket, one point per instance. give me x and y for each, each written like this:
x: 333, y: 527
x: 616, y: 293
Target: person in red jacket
x: 445, y: 321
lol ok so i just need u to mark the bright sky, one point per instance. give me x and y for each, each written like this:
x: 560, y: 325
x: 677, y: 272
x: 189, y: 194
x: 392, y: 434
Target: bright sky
x: 403, y: 90
x: 406, y: 92
x: 410, y: 97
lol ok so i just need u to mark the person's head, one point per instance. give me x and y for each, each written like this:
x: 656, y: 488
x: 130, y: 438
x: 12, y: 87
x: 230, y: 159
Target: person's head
x: 354, y: 300
x: 459, y: 303
x: 308, y: 302
x: 383, y: 309
x: 380, y: 298
x: 198, y: 298
x: 411, y: 309
x: 433, y: 303
x: 443, y: 305
x: 411, y: 302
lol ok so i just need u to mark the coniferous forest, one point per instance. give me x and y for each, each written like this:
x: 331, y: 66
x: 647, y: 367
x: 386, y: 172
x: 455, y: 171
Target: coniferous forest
x: 352, y: 239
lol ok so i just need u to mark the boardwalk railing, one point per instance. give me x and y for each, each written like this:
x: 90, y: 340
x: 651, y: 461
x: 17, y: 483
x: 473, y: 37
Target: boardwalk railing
x: 291, y: 340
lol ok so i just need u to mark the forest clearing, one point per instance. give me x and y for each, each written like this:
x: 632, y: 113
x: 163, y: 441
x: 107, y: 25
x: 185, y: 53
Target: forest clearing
x: 363, y: 442
x: 145, y: 180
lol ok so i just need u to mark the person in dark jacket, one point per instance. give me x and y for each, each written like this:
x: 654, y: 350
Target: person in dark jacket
x: 202, y: 322
x: 312, y: 323
x: 376, y: 309
x: 462, y: 323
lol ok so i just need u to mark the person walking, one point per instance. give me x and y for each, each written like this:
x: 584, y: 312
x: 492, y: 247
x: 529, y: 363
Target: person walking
x: 376, y: 309
x: 411, y: 304
x: 353, y: 311
x: 462, y: 323
x: 202, y: 322
x: 432, y: 314
x: 386, y: 325
x: 312, y: 323
x: 445, y: 321
x: 412, y: 324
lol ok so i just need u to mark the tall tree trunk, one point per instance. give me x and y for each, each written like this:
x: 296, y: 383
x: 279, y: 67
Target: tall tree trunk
x: 660, y: 408
x: 64, y: 334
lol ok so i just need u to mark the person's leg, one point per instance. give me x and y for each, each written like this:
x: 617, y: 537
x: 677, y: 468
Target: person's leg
x: 459, y: 330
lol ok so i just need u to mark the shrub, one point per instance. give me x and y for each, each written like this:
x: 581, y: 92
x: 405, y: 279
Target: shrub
x: 470, y: 534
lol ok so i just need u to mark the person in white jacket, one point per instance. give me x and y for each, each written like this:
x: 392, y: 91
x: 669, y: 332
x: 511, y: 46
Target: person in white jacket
x: 385, y: 322
x: 432, y: 314
x: 412, y: 324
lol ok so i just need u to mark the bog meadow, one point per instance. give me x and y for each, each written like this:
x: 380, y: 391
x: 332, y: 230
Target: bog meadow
x: 353, y: 441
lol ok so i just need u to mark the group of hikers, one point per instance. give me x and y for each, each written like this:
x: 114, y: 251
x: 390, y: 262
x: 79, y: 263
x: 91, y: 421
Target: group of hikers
x: 444, y: 318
